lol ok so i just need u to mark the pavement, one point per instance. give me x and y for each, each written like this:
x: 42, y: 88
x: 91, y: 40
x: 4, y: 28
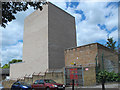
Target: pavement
x: 1, y: 86
x: 96, y: 87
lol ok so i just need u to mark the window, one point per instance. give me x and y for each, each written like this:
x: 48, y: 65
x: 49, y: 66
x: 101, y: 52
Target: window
x: 17, y: 83
x: 41, y: 82
x: 36, y: 82
x: 50, y: 81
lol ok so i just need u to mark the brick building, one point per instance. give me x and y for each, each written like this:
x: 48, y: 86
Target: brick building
x: 92, y: 55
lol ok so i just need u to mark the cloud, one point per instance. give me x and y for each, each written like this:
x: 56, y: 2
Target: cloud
x: 12, y: 52
x: 94, y: 21
x: 89, y: 15
x: 12, y: 37
x: 112, y: 20
x: 114, y: 34
x: 91, y: 22
x: 87, y: 33
x: 11, y: 34
x: 88, y: 30
x: 14, y: 30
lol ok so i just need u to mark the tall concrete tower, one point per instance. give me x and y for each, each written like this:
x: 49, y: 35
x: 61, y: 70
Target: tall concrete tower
x: 46, y: 34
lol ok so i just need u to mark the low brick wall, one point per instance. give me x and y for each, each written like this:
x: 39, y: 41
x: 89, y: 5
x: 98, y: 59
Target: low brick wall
x: 29, y: 80
x: 57, y: 76
x: 89, y: 77
x: 36, y: 77
x: 8, y: 84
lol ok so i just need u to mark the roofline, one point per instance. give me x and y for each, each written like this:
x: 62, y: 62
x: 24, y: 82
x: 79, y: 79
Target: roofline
x: 43, y: 8
x: 61, y: 9
x: 107, y: 48
x: 92, y: 44
x: 81, y: 46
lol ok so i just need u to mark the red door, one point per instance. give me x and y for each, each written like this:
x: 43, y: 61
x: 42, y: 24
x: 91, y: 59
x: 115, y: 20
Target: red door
x: 73, y: 74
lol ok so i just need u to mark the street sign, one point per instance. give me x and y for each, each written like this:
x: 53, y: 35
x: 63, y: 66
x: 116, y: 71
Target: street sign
x: 86, y: 69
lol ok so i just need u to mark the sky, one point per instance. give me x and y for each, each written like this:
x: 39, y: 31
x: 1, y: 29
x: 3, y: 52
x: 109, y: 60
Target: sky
x: 95, y: 21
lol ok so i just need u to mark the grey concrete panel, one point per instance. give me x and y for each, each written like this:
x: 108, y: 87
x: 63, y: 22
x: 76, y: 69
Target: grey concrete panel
x: 62, y: 35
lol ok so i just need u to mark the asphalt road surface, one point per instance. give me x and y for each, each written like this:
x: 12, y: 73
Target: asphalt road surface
x: 97, y: 87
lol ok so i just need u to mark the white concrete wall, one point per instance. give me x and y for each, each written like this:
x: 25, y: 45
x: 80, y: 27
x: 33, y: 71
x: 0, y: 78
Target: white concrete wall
x: 35, y: 45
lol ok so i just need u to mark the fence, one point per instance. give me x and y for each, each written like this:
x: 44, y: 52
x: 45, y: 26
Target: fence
x: 74, y: 73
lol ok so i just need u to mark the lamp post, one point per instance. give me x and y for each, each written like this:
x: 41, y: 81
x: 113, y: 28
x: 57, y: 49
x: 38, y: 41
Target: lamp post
x: 73, y: 80
x: 73, y: 84
x: 103, y: 80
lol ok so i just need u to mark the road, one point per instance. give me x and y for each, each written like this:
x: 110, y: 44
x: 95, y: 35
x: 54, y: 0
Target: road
x: 97, y: 87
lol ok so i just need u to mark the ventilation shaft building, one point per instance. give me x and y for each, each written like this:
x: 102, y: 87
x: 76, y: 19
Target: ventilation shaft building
x: 46, y: 34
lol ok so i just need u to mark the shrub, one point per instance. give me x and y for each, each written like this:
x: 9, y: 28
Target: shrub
x: 107, y: 76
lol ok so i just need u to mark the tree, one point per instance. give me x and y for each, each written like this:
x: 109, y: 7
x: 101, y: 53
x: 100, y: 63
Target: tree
x: 111, y: 43
x: 102, y: 77
x: 13, y: 61
x: 9, y: 9
x: 5, y: 66
x: 118, y: 47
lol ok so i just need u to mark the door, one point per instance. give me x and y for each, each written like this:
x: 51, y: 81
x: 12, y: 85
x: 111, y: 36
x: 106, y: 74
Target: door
x: 75, y: 73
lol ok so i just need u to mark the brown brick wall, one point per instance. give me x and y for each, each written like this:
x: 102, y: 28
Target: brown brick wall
x: 110, y: 58
x: 89, y: 76
x: 86, y: 56
x: 82, y: 55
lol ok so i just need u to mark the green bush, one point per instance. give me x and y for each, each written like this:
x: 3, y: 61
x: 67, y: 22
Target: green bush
x: 107, y: 76
x: 5, y: 66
